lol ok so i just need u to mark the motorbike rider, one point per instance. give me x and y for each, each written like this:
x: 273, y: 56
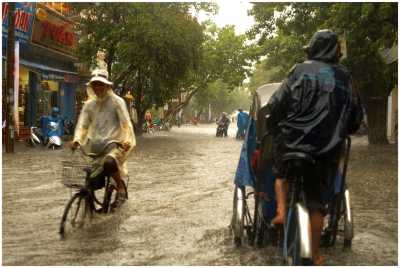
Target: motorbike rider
x: 312, y: 112
x: 45, y: 130
x: 104, y: 117
x: 56, y: 117
x: 224, y: 122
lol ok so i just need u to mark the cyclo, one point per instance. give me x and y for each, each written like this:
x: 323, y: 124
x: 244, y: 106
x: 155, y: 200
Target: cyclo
x: 254, y: 204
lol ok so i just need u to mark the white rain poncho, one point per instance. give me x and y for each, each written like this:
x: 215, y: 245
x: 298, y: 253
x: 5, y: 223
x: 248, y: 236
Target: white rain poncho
x: 102, y: 120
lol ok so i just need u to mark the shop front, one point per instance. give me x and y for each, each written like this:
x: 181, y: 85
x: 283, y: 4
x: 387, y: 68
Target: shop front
x: 47, y: 74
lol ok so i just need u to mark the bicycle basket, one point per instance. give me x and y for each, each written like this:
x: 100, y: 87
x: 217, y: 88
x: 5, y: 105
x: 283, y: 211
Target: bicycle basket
x: 73, y: 174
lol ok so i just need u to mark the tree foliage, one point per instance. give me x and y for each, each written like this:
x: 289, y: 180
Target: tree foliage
x: 161, y: 51
x: 262, y: 74
x: 284, y: 28
x: 225, y: 57
x: 149, y: 47
x: 221, y: 98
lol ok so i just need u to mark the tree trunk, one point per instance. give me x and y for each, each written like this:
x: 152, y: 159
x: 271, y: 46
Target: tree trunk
x: 170, y: 114
x: 139, y: 124
x: 377, y: 119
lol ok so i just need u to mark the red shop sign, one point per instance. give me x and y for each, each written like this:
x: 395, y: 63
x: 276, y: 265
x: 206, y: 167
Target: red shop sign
x: 54, y: 32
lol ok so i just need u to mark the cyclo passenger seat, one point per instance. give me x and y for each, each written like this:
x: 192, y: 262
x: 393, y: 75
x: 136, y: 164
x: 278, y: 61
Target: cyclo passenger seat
x: 297, y: 163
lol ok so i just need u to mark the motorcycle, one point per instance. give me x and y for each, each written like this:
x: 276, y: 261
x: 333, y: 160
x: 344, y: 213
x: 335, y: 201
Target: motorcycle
x: 36, y: 137
x: 148, y: 127
x: 161, y: 125
x: 221, y: 129
x: 68, y: 127
x: 52, y: 128
x: 54, y: 136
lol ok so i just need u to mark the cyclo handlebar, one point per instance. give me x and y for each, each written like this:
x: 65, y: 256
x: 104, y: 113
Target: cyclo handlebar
x: 106, y: 146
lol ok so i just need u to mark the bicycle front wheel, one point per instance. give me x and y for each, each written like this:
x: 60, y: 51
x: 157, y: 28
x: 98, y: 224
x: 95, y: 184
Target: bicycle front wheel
x: 74, y: 214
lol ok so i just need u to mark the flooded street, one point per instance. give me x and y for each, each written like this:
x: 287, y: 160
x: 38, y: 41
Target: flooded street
x: 179, y: 207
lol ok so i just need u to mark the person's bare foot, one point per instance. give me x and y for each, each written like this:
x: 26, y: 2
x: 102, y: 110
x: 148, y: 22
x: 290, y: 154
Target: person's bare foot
x: 279, y: 218
x: 319, y: 260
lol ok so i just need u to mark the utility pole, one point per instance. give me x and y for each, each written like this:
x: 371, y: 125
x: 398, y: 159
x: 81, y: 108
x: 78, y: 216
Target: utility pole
x: 10, y: 79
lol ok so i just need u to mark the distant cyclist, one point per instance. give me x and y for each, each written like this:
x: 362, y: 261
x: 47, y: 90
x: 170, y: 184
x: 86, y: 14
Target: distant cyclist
x: 104, y: 117
x: 313, y: 112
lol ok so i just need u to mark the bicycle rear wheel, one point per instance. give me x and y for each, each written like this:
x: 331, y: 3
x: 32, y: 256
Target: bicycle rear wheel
x: 74, y: 214
x: 293, y: 245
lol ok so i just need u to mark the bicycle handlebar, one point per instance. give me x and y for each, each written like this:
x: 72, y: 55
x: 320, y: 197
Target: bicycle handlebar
x: 93, y: 155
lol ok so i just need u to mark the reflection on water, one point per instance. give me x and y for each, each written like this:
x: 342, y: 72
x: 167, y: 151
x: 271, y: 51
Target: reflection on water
x: 179, y: 208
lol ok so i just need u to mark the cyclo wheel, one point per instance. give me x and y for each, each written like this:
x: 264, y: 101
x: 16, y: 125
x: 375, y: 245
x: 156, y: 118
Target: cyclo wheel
x: 74, y: 214
x: 238, y: 216
x: 259, y: 224
x: 347, y: 221
x: 242, y: 221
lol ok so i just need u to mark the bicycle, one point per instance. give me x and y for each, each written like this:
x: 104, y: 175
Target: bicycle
x: 148, y: 128
x: 297, y: 236
x: 88, y: 180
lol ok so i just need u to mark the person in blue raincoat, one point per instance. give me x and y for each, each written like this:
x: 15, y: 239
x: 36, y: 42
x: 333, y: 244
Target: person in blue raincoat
x: 242, y: 123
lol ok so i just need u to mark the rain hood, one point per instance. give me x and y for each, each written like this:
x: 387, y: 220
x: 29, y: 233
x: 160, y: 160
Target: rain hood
x: 315, y: 108
x: 323, y: 46
x: 102, y: 120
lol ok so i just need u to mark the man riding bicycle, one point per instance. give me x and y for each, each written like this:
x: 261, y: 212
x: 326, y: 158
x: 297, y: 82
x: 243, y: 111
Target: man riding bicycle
x: 312, y: 112
x: 104, y: 117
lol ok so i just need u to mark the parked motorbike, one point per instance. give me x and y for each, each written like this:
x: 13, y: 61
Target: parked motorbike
x: 36, y: 137
x: 161, y: 125
x: 54, y: 138
x: 52, y: 128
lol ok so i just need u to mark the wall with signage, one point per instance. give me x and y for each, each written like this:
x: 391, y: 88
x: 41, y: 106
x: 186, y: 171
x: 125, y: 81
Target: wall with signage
x: 48, y: 77
x: 53, y: 31
x: 24, y: 16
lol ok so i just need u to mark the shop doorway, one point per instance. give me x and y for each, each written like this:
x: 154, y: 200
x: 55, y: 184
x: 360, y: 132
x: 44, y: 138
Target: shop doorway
x: 47, y: 98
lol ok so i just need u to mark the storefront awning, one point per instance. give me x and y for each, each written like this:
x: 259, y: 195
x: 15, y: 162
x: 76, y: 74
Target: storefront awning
x: 44, y: 67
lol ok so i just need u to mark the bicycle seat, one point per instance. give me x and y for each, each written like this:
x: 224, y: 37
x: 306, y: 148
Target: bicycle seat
x: 298, y: 156
x: 297, y: 163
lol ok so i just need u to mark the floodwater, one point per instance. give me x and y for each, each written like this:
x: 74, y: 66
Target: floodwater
x: 179, y: 207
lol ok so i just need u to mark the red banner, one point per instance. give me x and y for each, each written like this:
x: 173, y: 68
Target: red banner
x: 54, y: 32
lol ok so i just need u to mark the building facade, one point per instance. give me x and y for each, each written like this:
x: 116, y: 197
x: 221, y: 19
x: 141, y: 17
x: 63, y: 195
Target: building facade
x: 47, y: 75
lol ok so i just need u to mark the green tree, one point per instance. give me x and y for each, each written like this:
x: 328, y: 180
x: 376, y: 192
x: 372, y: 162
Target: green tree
x: 221, y: 98
x: 149, y: 47
x: 284, y: 28
x: 225, y: 57
x: 262, y: 74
